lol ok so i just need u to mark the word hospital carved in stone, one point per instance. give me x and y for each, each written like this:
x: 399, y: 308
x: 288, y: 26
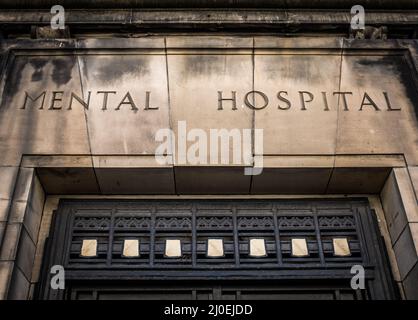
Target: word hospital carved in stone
x: 258, y: 100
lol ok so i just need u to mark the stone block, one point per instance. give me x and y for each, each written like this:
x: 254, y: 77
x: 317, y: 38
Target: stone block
x: 414, y: 179
x: 135, y: 180
x: 291, y: 181
x: 130, y: 248
x: 200, y: 84
x: 414, y: 232
x: 172, y: 248
x: 10, y: 241
x: 6, y: 270
x: 7, y: 177
x: 357, y: 180
x: 410, y: 284
x: 147, y: 43
x: 35, y: 116
x: 89, y: 248
x: 18, y: 211
x: 341, y: 247
x: 295, y: 119
x: 56, y: 161
x: 37, y: 195
x: 205, y: 42
x: 257, y: 248
x: 4, y: 209
x: 133, y: 175
x: 373, y: 124
x: 2, y: 229
x: 292, y: 43
x: 215, y: 248
x: 19, y: 286
x: 299, y: 248
x: 23, y: 184
x: 68, y: 180
x: 393, y: 207
x: 212, y: 180
x: 26, y: 254
x: 406, y: 190
x: 137, y: 107
x: 32, y: 222
x: 406, y: 253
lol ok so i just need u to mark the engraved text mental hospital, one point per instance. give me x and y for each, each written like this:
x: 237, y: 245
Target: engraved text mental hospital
x: 222, y: 100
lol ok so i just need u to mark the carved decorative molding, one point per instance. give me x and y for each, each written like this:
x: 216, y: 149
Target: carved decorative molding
x: 370, y: 33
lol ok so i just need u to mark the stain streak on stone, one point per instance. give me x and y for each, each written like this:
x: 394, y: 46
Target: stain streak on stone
x: 62, y: 72
x: 38, y: 64
x: 112, y: 70
x: 204, y: 64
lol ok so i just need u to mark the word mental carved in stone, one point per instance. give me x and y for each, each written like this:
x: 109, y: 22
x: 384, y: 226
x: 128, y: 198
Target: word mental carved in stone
x: 104, y: 100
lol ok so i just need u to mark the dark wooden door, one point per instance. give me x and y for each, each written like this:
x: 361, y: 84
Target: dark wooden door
x: 320, y: 273
x: 215, y: 290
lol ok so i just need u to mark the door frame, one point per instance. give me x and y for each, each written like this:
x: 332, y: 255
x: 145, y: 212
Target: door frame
x: 380, y: 284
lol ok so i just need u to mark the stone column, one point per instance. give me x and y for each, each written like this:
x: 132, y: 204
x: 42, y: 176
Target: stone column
x: 22, y: 204
x: 400, y: 205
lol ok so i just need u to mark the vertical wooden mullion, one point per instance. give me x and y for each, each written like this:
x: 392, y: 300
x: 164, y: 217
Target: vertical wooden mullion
x: 68, y: 238
x: 236, y: 239
x: 238, y: 295
x: 318, y: 236
x: 277, y: 237
x: 217, y: 292
x: 152, y: 237
x: 110, y: 238
x: 359, y: 295
x: 194, y: 237
x: 72, y: 295
x: 337, y: 294
x: 365, y: 255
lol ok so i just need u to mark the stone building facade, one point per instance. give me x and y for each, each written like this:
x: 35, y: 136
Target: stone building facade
x: 81, y: 109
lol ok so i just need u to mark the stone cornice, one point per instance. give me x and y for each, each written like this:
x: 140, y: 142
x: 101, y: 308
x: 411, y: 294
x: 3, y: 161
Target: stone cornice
x: 181, y: 4
x: 207, y: 16
x: 399, y: 23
